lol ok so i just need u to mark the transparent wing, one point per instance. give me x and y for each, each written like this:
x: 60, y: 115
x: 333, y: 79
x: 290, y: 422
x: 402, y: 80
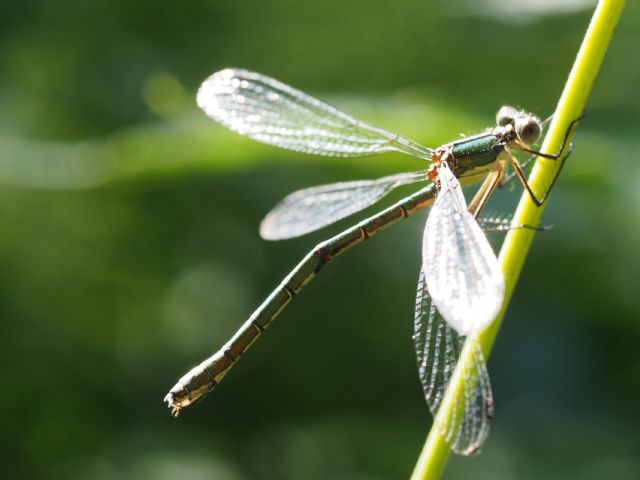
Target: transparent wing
x: 312, y: 208
x: 465, y: 425
x: 271, y: 112
x: 462, y: 272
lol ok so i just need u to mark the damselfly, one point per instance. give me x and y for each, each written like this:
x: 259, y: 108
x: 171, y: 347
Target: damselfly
x: 461, y: 286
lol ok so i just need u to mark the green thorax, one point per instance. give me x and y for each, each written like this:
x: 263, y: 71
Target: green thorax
x: 477, y: 151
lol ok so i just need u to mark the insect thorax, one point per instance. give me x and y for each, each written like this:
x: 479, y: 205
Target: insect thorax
x: 477, y: 153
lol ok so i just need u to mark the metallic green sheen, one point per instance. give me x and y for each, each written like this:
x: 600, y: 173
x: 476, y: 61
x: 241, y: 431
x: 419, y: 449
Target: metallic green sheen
x: 201, y: 379
x: 477, y: 151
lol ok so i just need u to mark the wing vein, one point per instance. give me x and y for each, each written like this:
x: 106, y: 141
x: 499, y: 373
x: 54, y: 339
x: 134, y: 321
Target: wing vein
x: 271, y: 112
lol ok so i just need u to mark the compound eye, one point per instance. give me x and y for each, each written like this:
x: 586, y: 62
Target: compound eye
x: 528, y: 129
x: 506, y: 116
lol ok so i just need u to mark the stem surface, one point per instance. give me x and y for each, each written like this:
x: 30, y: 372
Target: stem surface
x: 435, y: 452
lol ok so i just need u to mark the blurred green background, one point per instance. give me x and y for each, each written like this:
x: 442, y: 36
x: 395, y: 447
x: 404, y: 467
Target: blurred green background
x: 129, y: 247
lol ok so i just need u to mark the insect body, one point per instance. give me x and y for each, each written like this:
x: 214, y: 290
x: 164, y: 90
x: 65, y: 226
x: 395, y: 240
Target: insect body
x: 461, y: 286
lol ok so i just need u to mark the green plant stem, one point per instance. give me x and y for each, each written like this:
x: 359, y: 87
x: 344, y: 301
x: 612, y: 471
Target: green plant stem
x: 435, y: 452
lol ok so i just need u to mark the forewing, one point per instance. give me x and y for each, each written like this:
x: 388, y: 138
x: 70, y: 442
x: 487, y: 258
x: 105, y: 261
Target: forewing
x: 312, y: 208
x: 271, y: 112
x: 462, y: 272
x: 465, y: 422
